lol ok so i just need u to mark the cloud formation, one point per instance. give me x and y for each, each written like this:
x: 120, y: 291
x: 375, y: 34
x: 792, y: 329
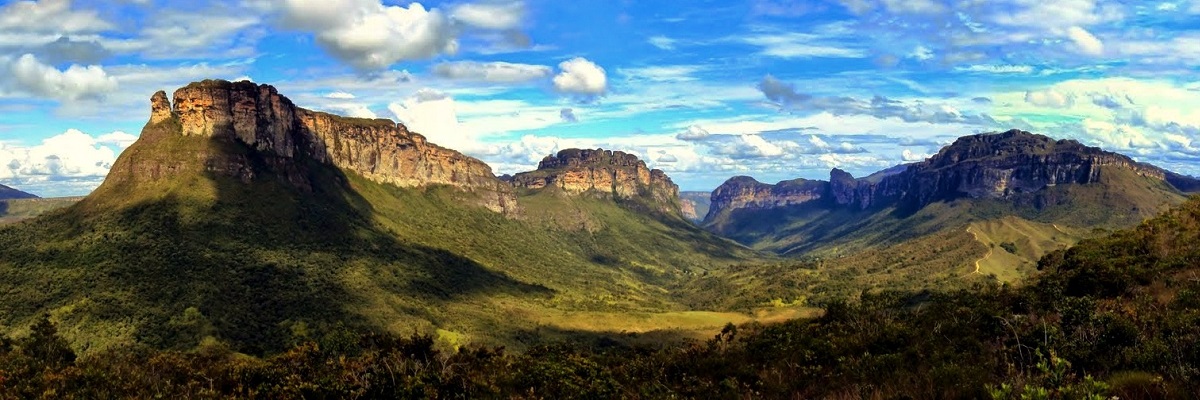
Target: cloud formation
x: 581, y: 77
x: 29, y: 75
x: 495, y: 72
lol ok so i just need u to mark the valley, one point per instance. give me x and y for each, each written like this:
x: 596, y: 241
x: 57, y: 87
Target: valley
x: 241, y: 224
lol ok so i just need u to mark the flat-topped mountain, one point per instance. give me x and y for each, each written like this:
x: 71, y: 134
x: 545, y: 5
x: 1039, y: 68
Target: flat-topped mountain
x: 284, y: 136
x: 602, y: 172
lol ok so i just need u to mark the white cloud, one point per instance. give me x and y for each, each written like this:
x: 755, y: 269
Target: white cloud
x: 1049, y: 98
x: 27, y: 74
x: 910, y: 156
x: 434, y: 114
x: 662, y: 42
x: 800, y: 45
x: 190, y: 35
x: 497, y: 72
x: 371, y: 35
x: 694, y: 132
x: 70, y: 157
x: 1085, y: 41
x: 580, y: 76
x: 662, y: 73
x: 493, y: 15
x: 339, y: 95
x: 914, y: 6
x: 50, y: 16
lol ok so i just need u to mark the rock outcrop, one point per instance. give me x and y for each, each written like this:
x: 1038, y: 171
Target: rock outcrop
x: 602, y: 172
x: 271, y: 125
x: 978, y: 166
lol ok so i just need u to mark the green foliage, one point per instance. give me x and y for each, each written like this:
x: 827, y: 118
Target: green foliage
x: 1009, y: 247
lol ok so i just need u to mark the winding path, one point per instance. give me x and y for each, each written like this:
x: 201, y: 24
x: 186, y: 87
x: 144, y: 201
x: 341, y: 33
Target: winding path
x: 989, y: 253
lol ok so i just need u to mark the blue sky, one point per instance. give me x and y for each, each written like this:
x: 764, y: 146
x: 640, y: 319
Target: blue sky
x: 705, y: 90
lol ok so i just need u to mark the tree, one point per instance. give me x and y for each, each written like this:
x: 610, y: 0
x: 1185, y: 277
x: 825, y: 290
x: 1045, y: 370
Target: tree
x: 45, y: 347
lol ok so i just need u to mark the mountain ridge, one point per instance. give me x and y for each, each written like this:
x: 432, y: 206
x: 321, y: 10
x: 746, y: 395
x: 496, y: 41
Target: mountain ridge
x: 995, y: 165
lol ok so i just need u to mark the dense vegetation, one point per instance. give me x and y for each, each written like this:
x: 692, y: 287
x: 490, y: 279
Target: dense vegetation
x: 1115, y: 316
x: 262, y: 261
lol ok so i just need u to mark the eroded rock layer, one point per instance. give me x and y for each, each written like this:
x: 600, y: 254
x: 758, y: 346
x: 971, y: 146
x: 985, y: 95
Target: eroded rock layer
x: 270, y: 124
x: 602, y: 172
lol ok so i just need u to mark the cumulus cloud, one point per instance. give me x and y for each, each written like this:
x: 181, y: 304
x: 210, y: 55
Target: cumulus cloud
x: 371, y: 35
x: 71, y: 163
x: 497, y: 72
x: 910, y: 156
x: 29, y: 75
x: 694, y: 132
x: 50, y: 16
x: 339, y: 95
x: 582, y: 77
x: 1085, y: 42
x: 435, y: 115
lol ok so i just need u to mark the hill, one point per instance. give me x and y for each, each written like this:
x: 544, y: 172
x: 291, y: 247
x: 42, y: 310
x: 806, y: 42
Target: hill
x: 1113, y: 317
x: 697, y: 202
x: 241, y: 218
x: 1007, y: 198
x: 14, y: 210
x: 8, y: 193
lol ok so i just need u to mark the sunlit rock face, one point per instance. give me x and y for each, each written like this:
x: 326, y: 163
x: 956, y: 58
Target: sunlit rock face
x: 280, y: 132
x: 602, y: 172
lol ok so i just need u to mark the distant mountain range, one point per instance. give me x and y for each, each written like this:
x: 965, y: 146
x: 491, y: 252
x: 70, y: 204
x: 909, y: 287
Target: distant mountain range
x: 1022, y: 193
x: 7, y: 193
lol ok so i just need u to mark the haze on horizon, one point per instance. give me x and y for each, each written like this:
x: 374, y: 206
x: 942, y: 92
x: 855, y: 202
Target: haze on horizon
x: 705, y: 90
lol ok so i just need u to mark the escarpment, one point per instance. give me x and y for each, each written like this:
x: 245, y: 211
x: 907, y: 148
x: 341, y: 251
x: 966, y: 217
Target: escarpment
x: 999, y: 165
x: 270, y: 129
x: 605, y: 173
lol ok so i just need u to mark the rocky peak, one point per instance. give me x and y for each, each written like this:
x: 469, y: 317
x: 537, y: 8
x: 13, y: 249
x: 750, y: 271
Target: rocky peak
x: 284, y: 134
x: 601, y: 172
x: 997, y: 165
x: 160, y: 107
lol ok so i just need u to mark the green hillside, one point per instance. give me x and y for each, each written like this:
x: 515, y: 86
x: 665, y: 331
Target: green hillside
x: 264, y: 263
x: 1113, y: 317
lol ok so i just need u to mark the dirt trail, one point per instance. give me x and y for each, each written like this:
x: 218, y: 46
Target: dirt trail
x: 985, y: 256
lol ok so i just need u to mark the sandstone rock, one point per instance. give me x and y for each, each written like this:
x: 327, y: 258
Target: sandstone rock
x: 269, y: 123
x: 602, y: 172
x: 977, y: 166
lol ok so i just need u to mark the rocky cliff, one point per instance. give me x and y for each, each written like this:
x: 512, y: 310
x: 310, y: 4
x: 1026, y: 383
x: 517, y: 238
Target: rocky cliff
x: 282, y: 135
x: 979, y: 166
x: 602, y: 172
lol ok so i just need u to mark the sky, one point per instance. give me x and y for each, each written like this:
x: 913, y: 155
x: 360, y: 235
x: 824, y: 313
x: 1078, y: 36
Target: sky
x: 705, y: 90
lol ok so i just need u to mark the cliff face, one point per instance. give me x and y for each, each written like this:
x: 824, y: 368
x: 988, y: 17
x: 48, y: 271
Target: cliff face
x: 978, y: 166
x: 744, y: 192
x: 270, y: 124
x: 602, y: 172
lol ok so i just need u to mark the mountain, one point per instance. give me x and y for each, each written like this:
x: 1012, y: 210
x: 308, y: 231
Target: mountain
x: 7, y: 193
x: 695, y: 205
x: 242, y: 218
x: 1018, y: 194
x: 605, y: 173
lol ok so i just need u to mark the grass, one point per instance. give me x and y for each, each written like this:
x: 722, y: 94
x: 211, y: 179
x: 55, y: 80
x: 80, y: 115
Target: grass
x: 168, y: 253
